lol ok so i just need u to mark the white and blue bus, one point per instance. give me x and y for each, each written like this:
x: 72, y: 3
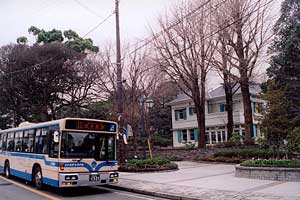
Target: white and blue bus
x: 69, y: 152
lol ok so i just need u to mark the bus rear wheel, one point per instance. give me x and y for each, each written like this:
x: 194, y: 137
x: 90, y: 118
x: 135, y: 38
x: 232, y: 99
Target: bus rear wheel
x: 7, y: 170
x: 38, y: 178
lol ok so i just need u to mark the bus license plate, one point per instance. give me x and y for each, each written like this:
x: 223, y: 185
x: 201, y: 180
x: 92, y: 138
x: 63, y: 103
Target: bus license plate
x: 94, y: 177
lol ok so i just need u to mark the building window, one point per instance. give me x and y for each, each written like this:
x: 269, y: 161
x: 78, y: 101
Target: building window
x: 213, y: 137
x: 224, y: 137
x: 209, y: 107
x: 213, y: 107
x: 192, y: 110
x: 219, y: 135
x: 180, y: 114
x: 222, y: 107
x: 184, y: 135
x: 192, y: 134
x: 207, y: 139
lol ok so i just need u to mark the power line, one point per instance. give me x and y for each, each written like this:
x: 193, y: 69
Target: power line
x: 190, y: 14
x: 88, y: 9
x: 227, y: 26
x: 27, y: 68
x: 99, y: 24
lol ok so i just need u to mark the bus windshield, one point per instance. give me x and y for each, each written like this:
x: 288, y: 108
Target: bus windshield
x: 88, y: 145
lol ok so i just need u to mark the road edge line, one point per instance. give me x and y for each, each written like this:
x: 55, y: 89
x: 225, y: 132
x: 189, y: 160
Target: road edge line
x: 29, y: 189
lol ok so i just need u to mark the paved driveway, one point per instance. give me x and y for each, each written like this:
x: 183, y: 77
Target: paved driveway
x: 210, y: 181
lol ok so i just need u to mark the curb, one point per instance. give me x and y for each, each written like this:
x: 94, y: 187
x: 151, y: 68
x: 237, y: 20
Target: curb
x: 149, y: 193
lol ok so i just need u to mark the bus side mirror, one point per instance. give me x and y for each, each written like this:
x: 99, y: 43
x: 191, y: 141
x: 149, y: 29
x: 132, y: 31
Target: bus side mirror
x: 56, y: 136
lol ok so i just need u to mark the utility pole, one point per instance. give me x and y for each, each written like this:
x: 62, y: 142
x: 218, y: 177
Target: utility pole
x: 119, y: 80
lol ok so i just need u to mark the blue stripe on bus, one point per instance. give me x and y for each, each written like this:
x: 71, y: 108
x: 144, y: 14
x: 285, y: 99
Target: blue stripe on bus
x: 20, y: 174
x: 50, y: 182
x: 28, y: 177
x: 105, y: 164
x: 33, y: 156
x: 66, y: 165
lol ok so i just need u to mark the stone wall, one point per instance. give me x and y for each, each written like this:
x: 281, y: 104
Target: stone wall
x: 268, y: 173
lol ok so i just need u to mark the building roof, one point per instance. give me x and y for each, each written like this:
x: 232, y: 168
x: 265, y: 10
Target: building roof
x: 216, y: 93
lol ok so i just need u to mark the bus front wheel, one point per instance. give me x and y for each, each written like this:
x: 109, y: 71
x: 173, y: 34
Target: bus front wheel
x: 7, y: 170
x: 38, y: 178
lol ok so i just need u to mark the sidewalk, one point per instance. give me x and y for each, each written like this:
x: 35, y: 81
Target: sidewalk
x: 206, y: 181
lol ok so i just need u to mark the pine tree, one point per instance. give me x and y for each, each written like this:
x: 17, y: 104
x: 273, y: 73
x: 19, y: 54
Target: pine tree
x: 285, y: 64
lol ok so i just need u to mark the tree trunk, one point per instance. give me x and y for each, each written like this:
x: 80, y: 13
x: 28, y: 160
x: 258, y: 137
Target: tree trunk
x: 229, y: 107
x: 244, y: 83
x: 199, y: 100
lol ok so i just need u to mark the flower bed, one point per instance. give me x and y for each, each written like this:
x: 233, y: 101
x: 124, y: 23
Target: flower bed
x: 272, y: 163
x: 148, y: 165
x: 239, y: 155
x: 278, y: 170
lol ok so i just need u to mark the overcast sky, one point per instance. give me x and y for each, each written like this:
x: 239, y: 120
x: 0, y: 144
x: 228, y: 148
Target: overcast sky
x: 79, y: 15
x: 83, y: 15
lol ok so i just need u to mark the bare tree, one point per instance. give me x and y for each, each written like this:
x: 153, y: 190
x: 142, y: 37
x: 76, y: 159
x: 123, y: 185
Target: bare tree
x: 184, y: 53
x: 140, y: 80
x: 244, y: 28
x: 225, y: 69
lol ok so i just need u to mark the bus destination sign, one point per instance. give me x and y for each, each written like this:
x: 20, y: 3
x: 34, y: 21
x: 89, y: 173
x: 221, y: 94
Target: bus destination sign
x: 90, y: 125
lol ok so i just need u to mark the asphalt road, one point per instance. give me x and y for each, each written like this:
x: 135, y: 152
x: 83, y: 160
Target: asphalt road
x: 16, y: 189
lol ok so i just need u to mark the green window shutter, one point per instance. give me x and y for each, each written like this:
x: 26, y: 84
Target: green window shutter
x: 179, y: 136
x: 191, y: 111
x: 196, y: 134
x: 176, y: 115
x: 222, y: 107
x: 184, y: 114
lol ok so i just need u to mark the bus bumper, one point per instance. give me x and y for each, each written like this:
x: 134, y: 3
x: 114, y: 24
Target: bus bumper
x: 87, y: 179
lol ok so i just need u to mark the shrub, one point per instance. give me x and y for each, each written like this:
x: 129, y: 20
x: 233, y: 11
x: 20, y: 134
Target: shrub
x: 235, y: 139
x: 155, y: 164
x: 190, y: 145
x: 246, y: 153
x: 223, y: 159
x: 293, y: 139
x: 161, y: 141
x: 261, y: 142
x: 272, y: 163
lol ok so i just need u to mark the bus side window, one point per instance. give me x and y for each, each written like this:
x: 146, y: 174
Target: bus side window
x: 10, y: 142
x: 41, y: 141
x: 4, y: 136
x: 18, y: 141
x: 1, y: 141
x: 53, y: 153
x: 28, y: 140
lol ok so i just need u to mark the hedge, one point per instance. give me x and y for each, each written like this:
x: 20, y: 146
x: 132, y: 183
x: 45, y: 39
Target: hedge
x: 155, y: 164
x: 246, y: 153
x: 272, y: 163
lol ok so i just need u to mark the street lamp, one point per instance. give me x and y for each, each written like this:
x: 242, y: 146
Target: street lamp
x: 149, y: 104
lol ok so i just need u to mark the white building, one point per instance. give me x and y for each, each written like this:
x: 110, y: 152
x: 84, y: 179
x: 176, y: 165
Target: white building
x: 184, y: 121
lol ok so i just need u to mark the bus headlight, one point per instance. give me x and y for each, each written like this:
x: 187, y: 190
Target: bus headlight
x: 71, y: 177
x: 113, y: 175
